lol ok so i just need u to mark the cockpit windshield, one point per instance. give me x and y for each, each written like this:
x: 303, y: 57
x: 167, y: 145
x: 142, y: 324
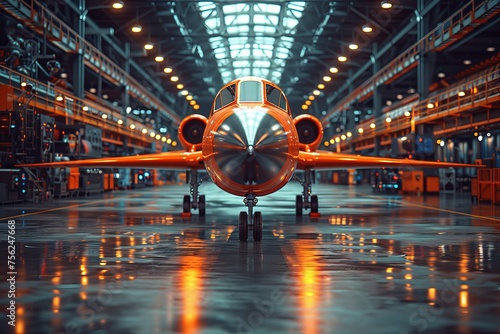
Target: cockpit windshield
x: 275, y: 96
x: 225, y: 96
x: 250, y: 91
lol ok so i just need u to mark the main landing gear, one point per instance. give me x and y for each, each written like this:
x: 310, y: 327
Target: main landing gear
x: 250, y: 220
x: 306, y: 200
x: 193, y: 201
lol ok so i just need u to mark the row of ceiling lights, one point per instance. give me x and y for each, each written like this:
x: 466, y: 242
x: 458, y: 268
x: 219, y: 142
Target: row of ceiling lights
x: 353, y: 46
x: 367, y: 28
x: 159, y: 58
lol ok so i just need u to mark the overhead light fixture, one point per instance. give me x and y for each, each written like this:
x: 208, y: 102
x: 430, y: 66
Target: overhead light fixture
x: 467, y: 62
x: 316, y: 92
x: 388, y: 120
x: 85, y: 108
x: 118, y: 5
x: 343, y: 137
x: 311, y: 97
x: 136, y: 28
x: 367, y: 28
x: 308, y: 102
x: 92, y: 90
x: 184, y: 92
x: 64, y: 75
x: 189, y: 97
x: 372, y: 125
x: 120, y: 121
x: 132, y: 126
x: 327, y: 78
x: 180, y: 86
x: 149, y: 46
x: 386, y: 4
x: 399, y: 96
x: 104, y: 116
x: 304, y: 107
x: 196, y: 107
x: 159, y: 58
x: 192, y: 102
x: 342, y: 58
x: 334, y: 70
x: 168, y: 70
x: 59, y: 98
x: 461, y: 93
x: 430, y: 105
x: 353, y: 46
x: 174, y: 78
x: 490, y: 49
x: 321, y: 86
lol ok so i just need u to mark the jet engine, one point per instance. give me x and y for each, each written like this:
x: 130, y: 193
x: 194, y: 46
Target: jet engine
x: 191, y: 132
x: 310, y: 132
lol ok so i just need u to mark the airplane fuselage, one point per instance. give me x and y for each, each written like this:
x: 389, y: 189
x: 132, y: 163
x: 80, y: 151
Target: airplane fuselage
x: 250, y: 148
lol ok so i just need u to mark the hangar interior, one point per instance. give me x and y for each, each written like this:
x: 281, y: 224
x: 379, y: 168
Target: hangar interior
x: 417, y: 79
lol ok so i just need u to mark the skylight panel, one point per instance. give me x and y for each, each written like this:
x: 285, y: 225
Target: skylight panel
x: 237, y: 8
x: 264, y: 29
x: 206, y: 8
x: 267, y: 8
x: 236, y: 19
x: 236, y: 30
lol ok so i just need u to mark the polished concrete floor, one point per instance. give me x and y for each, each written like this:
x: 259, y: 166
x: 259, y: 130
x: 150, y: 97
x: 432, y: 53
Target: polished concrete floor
x: 126, y: 262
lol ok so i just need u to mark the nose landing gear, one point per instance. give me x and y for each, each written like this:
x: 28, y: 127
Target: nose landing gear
x: 250, y: 220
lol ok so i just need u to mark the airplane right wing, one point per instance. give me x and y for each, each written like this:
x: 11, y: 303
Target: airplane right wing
x: 175, y: 160
x: 326, y: 160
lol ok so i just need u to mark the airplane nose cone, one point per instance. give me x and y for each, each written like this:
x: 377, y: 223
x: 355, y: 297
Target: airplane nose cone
x: 250, y: 146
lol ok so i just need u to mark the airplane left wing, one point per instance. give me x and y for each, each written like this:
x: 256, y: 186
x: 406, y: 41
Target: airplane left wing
x: 176, y: 160
x: 326, y: 160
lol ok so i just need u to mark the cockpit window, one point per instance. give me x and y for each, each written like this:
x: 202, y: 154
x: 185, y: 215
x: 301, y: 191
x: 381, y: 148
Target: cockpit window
x: 250, y: 91
x: 276, y: 97
x: 225, y: 96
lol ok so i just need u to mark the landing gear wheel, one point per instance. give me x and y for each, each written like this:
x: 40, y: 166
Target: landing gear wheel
x: 243, y: 226
x: 314, y: 203
x: 186, y: 204
x: 299, y: 205
x: 257, y: 226
x: 201, y: 205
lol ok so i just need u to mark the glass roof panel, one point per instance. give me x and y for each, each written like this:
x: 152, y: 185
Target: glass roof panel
x: 238, y: 53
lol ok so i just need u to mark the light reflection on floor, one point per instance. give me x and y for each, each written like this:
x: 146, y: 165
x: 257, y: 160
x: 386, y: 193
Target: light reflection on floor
x: 128, y: 263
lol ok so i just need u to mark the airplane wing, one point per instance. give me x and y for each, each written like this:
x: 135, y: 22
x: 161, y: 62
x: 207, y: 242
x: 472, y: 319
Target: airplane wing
x: 326, y: 160
x: 176, y: 160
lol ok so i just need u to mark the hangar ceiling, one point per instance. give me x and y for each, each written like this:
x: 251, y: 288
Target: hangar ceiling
x: 294, y: 43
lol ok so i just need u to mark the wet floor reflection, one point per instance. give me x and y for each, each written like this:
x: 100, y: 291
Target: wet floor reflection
x: 369, y: 263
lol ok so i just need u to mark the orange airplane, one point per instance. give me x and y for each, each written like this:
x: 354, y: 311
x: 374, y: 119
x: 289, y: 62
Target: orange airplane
x: 251, y: 146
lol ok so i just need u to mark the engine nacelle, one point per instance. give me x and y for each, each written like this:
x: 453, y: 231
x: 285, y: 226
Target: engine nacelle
x: 191, y: 132
x: 310, y: 132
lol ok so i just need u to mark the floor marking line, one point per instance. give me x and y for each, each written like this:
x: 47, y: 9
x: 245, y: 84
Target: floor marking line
x: 62, y: 208
x: 443, y: 210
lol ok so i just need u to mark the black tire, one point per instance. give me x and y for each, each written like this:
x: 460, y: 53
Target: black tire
x: 201, y: 205
x: 257, y: 226
x: 243, y: 226
x: 186, y: 204
x: 299, y: 205
x: 314, y: 203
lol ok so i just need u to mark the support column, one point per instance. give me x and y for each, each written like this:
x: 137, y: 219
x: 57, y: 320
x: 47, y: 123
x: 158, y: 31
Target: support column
x: 377, y: 98
x: 78, y: 62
